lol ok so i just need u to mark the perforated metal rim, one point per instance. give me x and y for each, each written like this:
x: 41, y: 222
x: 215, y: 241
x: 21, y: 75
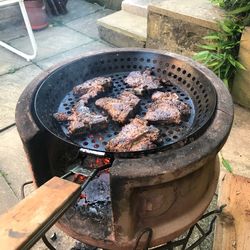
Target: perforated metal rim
x: 188, y: 81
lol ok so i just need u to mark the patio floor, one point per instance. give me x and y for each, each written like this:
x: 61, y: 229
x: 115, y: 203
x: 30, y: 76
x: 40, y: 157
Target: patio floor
x: 66, y: 37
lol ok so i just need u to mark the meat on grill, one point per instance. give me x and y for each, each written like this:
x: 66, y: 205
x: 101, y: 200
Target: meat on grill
x: 135, y: 136
x: 141, y: 81
x: 121, y: 108
x: 61, y: 117
x: 82, y: 120
x: 166, y: 108
x: 92, y: 88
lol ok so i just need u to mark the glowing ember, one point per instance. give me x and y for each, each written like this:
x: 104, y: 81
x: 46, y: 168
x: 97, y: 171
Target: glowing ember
x: 83, y: 196
x: 102, y: 161
x: 79, y: 178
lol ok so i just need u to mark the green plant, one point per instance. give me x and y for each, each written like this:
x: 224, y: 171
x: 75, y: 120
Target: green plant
x: 220, y: 51
x: 227, y: 165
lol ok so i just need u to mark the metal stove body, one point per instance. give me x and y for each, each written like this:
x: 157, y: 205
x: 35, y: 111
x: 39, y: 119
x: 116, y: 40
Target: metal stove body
x: 167, y: 191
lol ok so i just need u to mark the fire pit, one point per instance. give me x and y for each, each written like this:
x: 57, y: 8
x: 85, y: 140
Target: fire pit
x: 166, y: 189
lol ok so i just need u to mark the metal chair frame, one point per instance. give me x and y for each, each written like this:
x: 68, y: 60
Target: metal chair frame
x: 28, y: 57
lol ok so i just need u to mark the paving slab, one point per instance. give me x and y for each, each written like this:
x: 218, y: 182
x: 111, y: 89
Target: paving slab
x: 52, y: 41
x: 137, y: 7
x: 11, y: 23
x: 13, y: 31
x: 13, y: 162
x: 76, y: 9
x: 10, y: 62
x: 237, y: 147
x: 7, y: 196
x: 63, y: 241
x: 9, y: 13
x: 88, y: 25
x: 11, y: 87
x: 180, y: 27
x: 123, y: 29
x: 51, y: 61
x: 200, y: 12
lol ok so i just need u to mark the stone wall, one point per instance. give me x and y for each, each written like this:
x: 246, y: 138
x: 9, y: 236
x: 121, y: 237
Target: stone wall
x: 173, y: 34
x: 241, y: 86
x: 179, y: 26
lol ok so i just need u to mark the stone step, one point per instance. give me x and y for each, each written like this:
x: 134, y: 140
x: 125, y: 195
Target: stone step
x: 136, y: 7
x: 123, y: 29
x: 179, y: 26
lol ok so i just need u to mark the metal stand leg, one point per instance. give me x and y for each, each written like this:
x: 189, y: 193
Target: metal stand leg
x: 47, y: 243
x: 30, y: 33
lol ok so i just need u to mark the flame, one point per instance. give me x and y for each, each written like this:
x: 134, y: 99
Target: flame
x: 102, y: 161
x: 79, y: 178
x: 83, y: 196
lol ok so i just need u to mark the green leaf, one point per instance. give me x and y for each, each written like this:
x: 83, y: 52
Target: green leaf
x: 203, y: 53
x: 231, y: 60
x: 219, y: 66
x: 209, y: 47
x: 239, y: 65
x: 240, y: 10
x: 213, y: 64
x: 227, y: 68
x: 227, y: 165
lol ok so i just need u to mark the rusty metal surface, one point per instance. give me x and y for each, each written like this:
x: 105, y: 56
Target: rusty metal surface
x: 192, y: 86
x: 50, y: 156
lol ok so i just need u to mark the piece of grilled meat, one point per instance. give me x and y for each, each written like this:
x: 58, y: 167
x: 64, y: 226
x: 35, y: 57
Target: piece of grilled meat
x: 92, y: 88
x: 61, y: 117
x: 166, y: 108
x: 121, y: 108
x: 135, y: 136
x: 142, y: 81
x: 82, y: 120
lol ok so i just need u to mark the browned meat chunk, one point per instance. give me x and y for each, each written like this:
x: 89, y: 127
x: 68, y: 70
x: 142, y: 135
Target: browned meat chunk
x: 141, y: 81
x: 61, y: 117
x: 166, y: 108
x: 92, y: 88
x: 158, y: 95
x: 121, y: 108
x: 82, y: 120
x: 135, y: 136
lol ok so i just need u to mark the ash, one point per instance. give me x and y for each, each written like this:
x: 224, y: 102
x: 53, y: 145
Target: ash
x: 98, y: 190
x: 96, y: 207
x: 81, y: 246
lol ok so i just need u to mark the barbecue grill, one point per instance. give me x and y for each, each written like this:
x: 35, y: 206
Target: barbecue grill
x: 166, y: 189
x: 193, y: 87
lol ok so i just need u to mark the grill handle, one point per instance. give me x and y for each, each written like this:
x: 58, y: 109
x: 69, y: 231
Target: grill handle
x: 93, y: 152
x: 93, y: 174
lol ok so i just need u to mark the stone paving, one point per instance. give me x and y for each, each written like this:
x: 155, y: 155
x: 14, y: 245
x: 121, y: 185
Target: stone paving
x: 66, y: 37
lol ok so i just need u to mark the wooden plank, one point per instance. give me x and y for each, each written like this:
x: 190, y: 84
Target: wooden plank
x: 233, y: 225
x: 26, y: 222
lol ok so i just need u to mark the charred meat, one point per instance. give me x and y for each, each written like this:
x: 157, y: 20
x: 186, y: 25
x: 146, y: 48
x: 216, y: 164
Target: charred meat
x: 142, y: 81
x: 92, y: 88
x: 135, y: 136
x: 166, y: 108
x: 61, y: 117
x: 82, y: 120
x: 121, y: 108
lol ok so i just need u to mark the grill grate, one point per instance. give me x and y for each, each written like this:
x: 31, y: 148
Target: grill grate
x: 169, y: 133
x: 192, y: 87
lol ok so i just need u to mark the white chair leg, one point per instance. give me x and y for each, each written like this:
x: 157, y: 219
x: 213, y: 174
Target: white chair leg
x: 30, y: 33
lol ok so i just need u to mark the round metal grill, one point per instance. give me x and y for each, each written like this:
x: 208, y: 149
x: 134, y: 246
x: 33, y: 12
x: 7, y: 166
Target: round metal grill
x: 192, y: 87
